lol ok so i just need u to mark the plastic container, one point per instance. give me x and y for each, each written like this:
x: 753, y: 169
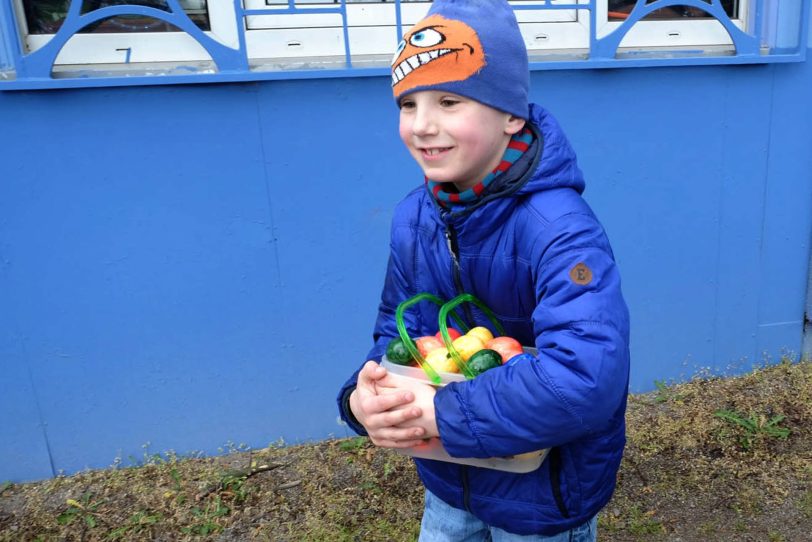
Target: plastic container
x: 423, y: 372
x: 433, y: 448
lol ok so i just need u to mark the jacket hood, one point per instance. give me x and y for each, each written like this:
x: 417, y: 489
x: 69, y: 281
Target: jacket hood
x: 558, y: 165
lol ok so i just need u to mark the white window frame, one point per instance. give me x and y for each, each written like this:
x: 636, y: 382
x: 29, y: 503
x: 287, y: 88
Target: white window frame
x: 681, y: 33
x: 372, y: 29
x: 138, y: 47
x: 372, y: 33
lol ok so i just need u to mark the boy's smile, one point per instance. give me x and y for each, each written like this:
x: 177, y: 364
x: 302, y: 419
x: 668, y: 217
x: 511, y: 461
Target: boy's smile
x: 455, y: 139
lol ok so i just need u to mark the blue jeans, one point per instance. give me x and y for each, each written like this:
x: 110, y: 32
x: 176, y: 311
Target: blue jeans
x: 444, y: 523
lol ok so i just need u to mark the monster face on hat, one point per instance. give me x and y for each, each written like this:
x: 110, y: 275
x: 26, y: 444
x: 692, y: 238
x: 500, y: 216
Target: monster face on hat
x: 451, y: 47
x: 468, y: 47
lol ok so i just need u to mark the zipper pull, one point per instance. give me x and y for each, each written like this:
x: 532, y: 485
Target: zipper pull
x: 452, y: 249
x: 448, y: 243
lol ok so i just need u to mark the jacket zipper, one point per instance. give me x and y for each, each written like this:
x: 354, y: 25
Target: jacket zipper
x: 466, y: 490
x: 555, y: 480
x: 453, y: 248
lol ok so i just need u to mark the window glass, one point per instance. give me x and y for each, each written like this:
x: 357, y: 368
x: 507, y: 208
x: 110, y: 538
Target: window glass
x: 619, y: 10
x: 47, y: 16
x: 319, y: 34
x: 285, y: 2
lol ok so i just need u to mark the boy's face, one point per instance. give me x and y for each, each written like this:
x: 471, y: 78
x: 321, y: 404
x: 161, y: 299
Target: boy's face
x: 454, y: 139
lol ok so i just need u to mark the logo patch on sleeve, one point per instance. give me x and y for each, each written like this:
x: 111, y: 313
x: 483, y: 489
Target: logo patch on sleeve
x: 581, y: 274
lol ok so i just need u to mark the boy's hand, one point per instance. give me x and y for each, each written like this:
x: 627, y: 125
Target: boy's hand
x: 423, y: 399
x: 380, y: 414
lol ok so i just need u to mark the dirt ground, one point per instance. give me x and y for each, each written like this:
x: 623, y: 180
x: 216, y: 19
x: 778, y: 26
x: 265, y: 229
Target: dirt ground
x: 709, y: 460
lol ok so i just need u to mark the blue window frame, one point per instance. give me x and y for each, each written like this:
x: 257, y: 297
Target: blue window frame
x: 76, y: 43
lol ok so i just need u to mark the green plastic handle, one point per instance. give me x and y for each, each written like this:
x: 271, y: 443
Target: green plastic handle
x: 407, y: 341
x: 444, y: 311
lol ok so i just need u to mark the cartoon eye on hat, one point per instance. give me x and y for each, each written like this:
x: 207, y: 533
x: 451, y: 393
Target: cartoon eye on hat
x: 437, y: 50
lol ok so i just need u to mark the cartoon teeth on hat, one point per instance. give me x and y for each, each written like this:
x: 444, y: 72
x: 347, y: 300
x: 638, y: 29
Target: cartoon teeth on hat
x: 437, y: 50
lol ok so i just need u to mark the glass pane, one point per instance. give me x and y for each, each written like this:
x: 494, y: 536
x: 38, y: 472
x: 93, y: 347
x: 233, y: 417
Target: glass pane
x: 620, y: 9
x: 46, y: 16
x: 277, y: 3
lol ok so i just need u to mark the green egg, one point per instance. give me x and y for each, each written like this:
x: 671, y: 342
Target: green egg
x: 396, y: 352
x: 483, y: 360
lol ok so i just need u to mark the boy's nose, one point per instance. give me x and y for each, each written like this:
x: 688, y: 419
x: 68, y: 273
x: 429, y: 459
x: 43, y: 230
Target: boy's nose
x: 424, y: 123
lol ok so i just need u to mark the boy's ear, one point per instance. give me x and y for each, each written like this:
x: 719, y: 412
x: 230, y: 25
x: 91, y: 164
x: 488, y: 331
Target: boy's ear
x: 514, y: 124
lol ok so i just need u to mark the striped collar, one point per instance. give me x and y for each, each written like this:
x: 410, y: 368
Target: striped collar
x: 444, y: 192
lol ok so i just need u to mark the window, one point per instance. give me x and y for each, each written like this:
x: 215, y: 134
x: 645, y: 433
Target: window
x: 372, y: 27
x: 44, y: 40
x: 127, y: 38
x: 672, y: 26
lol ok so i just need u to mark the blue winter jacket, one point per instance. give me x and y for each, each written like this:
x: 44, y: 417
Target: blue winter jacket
x: 538, y: 257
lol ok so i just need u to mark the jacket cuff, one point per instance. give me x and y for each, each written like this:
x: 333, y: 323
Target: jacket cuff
x: 346, y: 412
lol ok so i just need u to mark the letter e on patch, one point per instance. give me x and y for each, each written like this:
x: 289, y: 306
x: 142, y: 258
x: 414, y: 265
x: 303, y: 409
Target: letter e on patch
x: 581, y: 274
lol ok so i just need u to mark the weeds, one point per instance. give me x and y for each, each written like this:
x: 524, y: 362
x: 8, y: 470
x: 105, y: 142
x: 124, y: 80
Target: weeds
x: 643, y: 523
x: 137, y: 524
x: 633, y: 521
x: 684, y: 476
x: 664, y: 392
x: 206, y: 519
x: 805, y: 505
x: 352, y: 444
x: 86, y: 511
x: 754, y: 426
x: 232, y: 448
x: 234, y: 485
x: 389, y: 468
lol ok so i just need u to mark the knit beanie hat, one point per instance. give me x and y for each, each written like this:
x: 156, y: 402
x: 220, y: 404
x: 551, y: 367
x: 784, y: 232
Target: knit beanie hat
x: 468, y: 47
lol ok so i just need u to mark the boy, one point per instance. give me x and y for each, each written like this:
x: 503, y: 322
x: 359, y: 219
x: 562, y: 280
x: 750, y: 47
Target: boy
x: 500, y: 217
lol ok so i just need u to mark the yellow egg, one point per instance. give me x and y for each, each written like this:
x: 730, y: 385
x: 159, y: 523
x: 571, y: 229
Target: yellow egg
x: 481, y: 332
x: 468, y: 345
x: 440, y: 361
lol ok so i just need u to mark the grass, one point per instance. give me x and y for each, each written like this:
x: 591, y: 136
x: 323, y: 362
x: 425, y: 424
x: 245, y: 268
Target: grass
x: 754, y: 426
x: 709, y: 459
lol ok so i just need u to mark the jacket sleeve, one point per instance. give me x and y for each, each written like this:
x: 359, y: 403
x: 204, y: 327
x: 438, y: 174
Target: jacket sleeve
x: 576, y: 385
x: 396, y: 289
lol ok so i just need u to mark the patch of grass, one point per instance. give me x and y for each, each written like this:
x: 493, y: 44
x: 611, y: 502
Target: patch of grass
x: 234, y: 484
x: 640, y: 523
x: 207, y: 520
x: 138, y: 525
x: 664, y: 393
x: 685, y: 475
x: 353, y: 444
x: 805, y: 504
x: 749, y: 502
x: 708, y: 528
x: 84, y: 510
x: 754, y: 426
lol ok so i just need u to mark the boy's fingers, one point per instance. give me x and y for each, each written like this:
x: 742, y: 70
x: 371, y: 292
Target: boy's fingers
x: 370, y: 373
x: 397, y: 443
x: 388, y: 401
x: 395, y: 424
x: 398, y: 438
x: 390, y: 381
x: 402, y: 415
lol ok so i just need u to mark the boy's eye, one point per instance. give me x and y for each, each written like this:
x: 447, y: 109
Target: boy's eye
x: 406, y: 104
x: 448, y: 102
x: 428, y: 37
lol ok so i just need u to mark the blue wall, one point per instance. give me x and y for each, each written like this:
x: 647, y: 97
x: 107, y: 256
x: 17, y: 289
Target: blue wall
x: 193, y: 265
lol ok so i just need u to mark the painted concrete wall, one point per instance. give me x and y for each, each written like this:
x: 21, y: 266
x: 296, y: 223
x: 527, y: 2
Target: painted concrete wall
x: 189, y: 266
